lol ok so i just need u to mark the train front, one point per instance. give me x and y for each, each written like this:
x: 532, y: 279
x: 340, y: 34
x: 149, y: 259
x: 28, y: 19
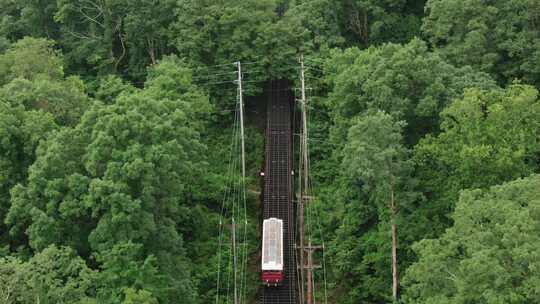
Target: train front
x: 272, y: 252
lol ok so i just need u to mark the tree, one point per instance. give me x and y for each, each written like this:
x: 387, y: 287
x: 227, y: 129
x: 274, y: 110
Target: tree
x: 407, y: 81
x: 126, y: 274
x: 30, y: 58
x: 123, y: 175
x: 55, y: 275
x: 20, y: 133
x: 111, y: 87
x: 210, y: 32
x: 500, y: 37
x: 35, y: 99
x: 488, y: 137
x: 370, y: 22
x: 104, y: 37
x: 20, y: 18
x: 139, y: 297
x: 490, y: 253
x: 33, y: 77
x: 375, y: 155
x: 65, y: 99
x: 91, y: 33
x: 147, y: 32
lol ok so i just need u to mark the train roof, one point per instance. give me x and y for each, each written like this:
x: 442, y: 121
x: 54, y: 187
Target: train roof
x: 272, y: 253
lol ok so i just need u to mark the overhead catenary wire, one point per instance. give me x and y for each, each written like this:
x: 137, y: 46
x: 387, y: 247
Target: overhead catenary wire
x: 234, y: 202
x: 234, y: 207
x: 230, y: 172
x: 305, y: 163
x: 318, y: 217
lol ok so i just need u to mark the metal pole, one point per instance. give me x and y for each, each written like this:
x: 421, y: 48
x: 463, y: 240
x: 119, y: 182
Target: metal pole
x: 309, y: 294
x: 304, y: 197
x: 234, y: 260
x: 242, y: 155
x: 301, y: 189
x: 241, y: 101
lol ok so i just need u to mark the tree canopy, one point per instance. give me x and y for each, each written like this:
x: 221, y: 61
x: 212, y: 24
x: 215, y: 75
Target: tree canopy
x: 119, y: 129
x: 499, y: 36
x: 487, y: 138
x: 407, y: 81
x: 490, y: 253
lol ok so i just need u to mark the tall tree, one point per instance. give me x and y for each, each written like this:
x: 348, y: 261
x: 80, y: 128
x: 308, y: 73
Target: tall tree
x: 488, y: 137
x: 101, y: 37
x: 375, y: 155
x: 30, y: 58
x: 35, y: 99
x: 20, y: 133
x: 20, y: 18
x: 407, y: 81
x: 124, y: 175
x: 369, y: 22
x: 489, y: 255
x: 216, y: 32
x: 33, y: 77
x: 500, y: 37
x: 92, y: 34
x: 55, y: 275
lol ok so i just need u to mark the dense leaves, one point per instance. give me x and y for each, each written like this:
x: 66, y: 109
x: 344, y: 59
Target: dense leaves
x: 407, y: 81
x: 115, y: 146
x: 30, y: 58
x: 497, y: 36
x: 55, y: 275
x: 377, y: 164
x: 20, y: 133
x: 491, y: 253
x: 122, y: 175
x: 487, y: 138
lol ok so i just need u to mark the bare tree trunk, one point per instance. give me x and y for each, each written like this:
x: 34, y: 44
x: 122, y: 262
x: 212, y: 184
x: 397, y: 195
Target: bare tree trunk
x: 121, y: 39
x: 395, y: 281
x: 151, y: 51
x: 358, y: 22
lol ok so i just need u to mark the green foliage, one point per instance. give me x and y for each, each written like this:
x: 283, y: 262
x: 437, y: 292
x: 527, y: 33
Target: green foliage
x: 499, y: 36
x: 111, y: 87
x: 64, y: 99
x: 374, y: 154
x: 32, y: 76
x: 126, y: 184
x: 139, y: 297
x: 374, y: 22
x: 20, y: 18
x: 318, y: 23
x: 377, y: 165
x: 124, y: 267
x: 146, y: 25
x: 55, y: 275
x: 114, y: 36
x: 30, y: 58
x: 89, y: 30
x: 487, y: 138
x: 20, y: 133
x: 124, y: 174
x: 210, y: 32
x: 407, y: 81
x: 491, y: 253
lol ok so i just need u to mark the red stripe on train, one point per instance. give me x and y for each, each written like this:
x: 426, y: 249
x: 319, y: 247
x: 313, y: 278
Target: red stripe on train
x: 272, y: 277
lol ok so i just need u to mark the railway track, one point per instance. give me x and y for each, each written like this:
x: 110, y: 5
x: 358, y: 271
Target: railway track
x: 277, y: 199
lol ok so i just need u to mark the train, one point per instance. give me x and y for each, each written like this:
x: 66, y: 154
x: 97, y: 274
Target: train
x: 272, y: 252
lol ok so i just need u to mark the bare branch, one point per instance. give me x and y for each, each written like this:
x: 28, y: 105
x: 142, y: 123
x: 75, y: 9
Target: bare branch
x: 92, y: 19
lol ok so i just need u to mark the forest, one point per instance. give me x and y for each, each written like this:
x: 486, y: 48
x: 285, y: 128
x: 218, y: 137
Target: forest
x: 116, y: 119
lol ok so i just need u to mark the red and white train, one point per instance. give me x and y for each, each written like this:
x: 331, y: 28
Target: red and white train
x: 272, y: 252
